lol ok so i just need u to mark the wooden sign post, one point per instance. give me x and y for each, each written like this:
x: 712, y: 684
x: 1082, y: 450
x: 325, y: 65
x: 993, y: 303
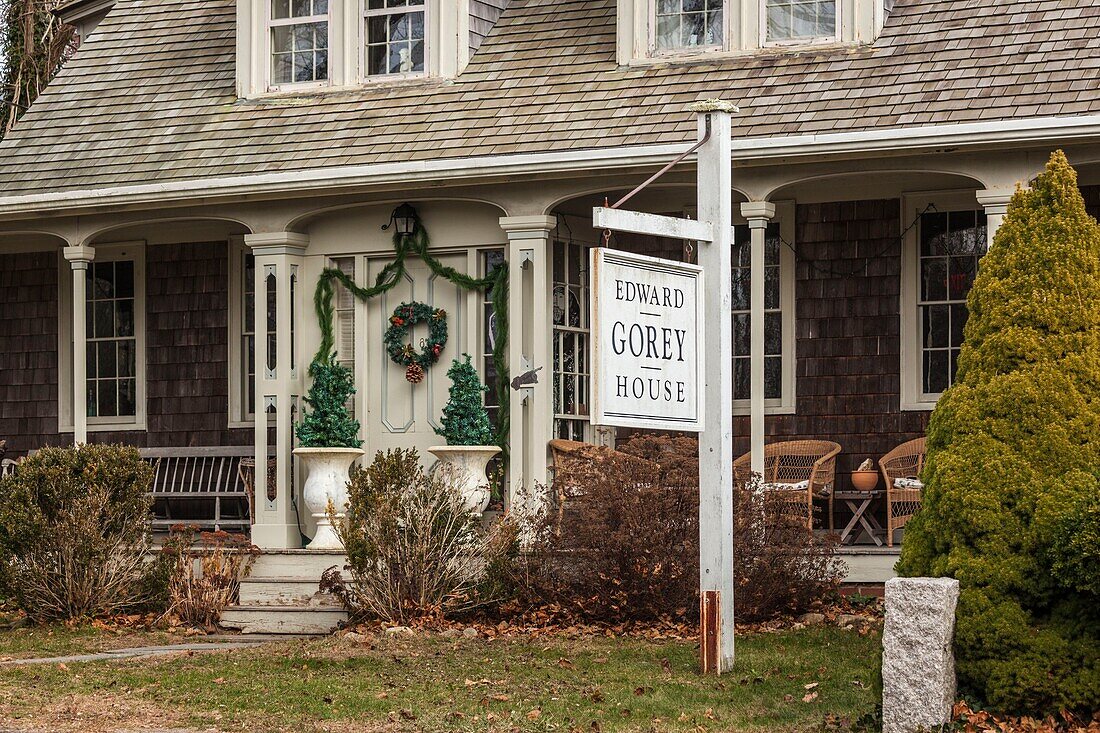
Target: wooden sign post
x: 714, y: 231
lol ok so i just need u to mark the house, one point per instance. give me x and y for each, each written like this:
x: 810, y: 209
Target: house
x: 170, y: 201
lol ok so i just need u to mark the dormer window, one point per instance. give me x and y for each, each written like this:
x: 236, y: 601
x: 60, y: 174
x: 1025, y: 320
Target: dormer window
x: 800, y: 21
x: 299, y: 41
x: 395, y: 37
x: 689, y: 24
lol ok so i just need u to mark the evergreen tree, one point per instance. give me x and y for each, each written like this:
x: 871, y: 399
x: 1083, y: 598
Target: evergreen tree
x: 35, y: 45
x: 465, y: 420
x: 1012, y: 500
x: 329, y: 425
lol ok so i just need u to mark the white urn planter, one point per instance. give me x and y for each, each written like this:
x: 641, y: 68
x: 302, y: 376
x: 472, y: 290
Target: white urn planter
x: 468, y: 462
x: 327, y: 474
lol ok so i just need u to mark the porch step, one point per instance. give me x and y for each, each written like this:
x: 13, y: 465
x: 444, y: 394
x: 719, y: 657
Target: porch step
x: 296, y: 563
x: 278, y: 591
x: 297, y: 620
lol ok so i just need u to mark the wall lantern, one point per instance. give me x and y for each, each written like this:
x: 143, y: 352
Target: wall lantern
x: 403, y: 219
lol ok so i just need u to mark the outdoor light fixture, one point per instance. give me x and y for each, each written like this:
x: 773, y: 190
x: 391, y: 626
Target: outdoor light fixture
x: 403, y: 219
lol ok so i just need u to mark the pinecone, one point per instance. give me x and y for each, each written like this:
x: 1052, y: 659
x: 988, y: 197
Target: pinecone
x: 415, y: 373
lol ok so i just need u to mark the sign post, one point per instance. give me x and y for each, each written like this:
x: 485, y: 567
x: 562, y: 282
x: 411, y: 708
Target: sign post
x: 714, y: 231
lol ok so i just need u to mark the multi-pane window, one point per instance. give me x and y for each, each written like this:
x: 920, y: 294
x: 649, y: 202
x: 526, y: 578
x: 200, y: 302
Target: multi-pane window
x: 571, y: 339
x: 951, y: 243
x: 299, y: 41
x: 395, y: 37
x: 248, y: 333
x: 490, y: 261
x: 773, y: 314
x: 112, y: 340
x: 689, y: 23
x: 800, y: 20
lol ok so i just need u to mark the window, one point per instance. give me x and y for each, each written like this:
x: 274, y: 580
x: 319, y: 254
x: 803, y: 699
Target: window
x: 115, y: 338
x: 951, y: 244
x: 800, y: 20
x: 689, y: 24
x: 242, y: 334
x: 299, y: 41
x: 940, y: 263
x: 779, y: 360
x: 490, y: 260
x: 395, y: 37
x: 571, y: 340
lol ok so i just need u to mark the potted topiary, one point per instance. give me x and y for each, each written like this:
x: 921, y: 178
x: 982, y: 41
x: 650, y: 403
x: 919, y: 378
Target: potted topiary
x: 469, y: 435
x: 328, y: 439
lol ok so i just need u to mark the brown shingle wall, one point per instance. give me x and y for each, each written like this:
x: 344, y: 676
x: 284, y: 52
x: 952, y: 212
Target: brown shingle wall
x: 848, y: 385
x: 28, y: 350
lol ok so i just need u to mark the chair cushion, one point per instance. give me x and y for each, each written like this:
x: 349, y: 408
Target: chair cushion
x: 799, y: 486
x: 908, y: 483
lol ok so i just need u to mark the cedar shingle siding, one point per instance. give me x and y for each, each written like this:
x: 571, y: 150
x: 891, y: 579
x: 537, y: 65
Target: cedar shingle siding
x: 28, y: 350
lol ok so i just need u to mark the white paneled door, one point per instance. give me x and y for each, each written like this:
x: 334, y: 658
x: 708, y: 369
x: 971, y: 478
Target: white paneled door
x: 400, y: 414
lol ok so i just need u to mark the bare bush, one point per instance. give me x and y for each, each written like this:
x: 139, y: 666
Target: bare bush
x: 75, y: 532
x: 620, y: 541
x: 204, y: 573
x: 413, y: 548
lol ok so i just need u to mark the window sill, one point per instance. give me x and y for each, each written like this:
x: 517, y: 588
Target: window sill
x: 295, y: 95
x: 775, y: 48
x: 907, y: 406
x: 743, y: 409
x: 124, y: 427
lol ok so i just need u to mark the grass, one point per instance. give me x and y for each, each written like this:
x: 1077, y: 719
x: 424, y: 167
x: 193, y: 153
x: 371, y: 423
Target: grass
x: 431, y: 683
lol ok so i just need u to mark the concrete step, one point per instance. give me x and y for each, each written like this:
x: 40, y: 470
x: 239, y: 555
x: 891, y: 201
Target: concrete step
x: 276, y: 591
x: 296, y: 563
x: 297, y: 620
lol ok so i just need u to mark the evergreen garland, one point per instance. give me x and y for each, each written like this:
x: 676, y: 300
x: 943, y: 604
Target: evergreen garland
x: 417, y: 244
x: 465, y: 420
x: 35, y: 45
x: 329, y: 425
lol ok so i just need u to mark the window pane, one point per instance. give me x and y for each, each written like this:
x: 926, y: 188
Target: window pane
x: 773, y: 378
x: 127, y: 366
x: 689, y: 23
x: 124, y: 318
x: 108, y: 366
x: 934, y: 278
x: 741, y: 336
x: 127, y: 398
x: 741, y: 289
x: 773, y: 333
x: 771, y: 287
x: 742, y: 387
x: 935, y: 371
x: 107, y: 406
x: 104, y: 319
x: 795, y: 19
x: 124, y: 279
x: 959, y: 316
x: 936, y: 326
x: 280, y: 9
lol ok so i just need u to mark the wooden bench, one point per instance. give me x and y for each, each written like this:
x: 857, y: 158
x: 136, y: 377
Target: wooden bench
x: 205, y: 487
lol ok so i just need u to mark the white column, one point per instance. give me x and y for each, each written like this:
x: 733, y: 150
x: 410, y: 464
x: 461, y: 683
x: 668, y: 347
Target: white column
x: 759, y: 215
x: 530, y: 335
x: 995, y: 202
x: 716, y: 441
x: 278, y: 381
x: 80, y: 258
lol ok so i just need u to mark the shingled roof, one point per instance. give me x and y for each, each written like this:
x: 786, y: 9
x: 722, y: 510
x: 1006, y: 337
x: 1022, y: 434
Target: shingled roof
x: 150, y: 97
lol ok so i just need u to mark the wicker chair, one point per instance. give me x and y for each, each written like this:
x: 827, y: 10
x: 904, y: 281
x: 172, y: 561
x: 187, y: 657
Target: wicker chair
x: 902, y: 502
x: 577, y: 460
x: 795, y: 462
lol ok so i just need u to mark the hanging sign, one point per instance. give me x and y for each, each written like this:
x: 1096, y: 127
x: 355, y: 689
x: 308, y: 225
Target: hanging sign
x: 647, y: 336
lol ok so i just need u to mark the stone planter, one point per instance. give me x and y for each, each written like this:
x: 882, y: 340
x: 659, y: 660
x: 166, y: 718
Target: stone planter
x: 327, y: 472
x: 468, y: 462
x: 864, y: 480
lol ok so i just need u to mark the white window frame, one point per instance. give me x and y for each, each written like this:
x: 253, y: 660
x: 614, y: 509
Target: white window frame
x: 113, y: 252
x: 271, y: 23
x: 239, y: 417
x: 913, y: 397
x: 786, y: 404
x: 423, y: 6
x: 817, y: 40
x: 655, y: 52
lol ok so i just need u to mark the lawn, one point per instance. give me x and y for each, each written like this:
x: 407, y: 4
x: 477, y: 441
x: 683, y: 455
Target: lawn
x: 809, y: 679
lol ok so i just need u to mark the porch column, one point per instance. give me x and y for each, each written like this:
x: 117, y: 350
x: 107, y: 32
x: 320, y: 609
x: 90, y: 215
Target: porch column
x: 80, y: 258
x: 995, y: 202
x: 278, y: 383
x: 530, y: 334
x: 759, y: 215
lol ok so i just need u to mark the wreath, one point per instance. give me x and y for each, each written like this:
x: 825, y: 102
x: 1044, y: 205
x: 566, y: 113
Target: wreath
x: 404, y: 317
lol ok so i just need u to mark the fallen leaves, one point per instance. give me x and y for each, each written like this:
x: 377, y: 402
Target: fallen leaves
x: 970, y: 721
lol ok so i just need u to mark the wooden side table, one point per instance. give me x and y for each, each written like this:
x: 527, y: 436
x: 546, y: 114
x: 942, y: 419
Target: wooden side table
x: 859, y: 502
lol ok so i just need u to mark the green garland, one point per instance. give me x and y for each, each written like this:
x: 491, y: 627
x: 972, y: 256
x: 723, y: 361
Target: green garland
x: 417, y: 244
x: 396, y: 338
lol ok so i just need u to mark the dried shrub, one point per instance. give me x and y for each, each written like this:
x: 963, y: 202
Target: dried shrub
x: 75, y: 532
x: 620, y: 541
x: 204, y: 573
x: 413, y: 548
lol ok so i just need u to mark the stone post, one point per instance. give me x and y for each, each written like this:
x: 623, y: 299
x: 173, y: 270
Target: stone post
x: 918, y: 658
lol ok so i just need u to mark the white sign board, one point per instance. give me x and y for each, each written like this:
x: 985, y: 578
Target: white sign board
x: 647, y: 336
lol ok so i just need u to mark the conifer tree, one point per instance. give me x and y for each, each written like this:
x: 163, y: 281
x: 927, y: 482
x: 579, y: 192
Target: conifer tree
x: 35, y: 43
x: 329, y: 425
x: 1012, y: 479
x: 465, y: 420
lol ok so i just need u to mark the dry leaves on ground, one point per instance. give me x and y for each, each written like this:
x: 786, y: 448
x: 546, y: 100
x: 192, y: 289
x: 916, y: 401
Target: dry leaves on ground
x: 970, y: 721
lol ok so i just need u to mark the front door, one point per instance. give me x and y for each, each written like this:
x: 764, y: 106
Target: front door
x: 401, y: 414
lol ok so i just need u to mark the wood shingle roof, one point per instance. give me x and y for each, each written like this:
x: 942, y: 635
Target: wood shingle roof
x: 151, y: 96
